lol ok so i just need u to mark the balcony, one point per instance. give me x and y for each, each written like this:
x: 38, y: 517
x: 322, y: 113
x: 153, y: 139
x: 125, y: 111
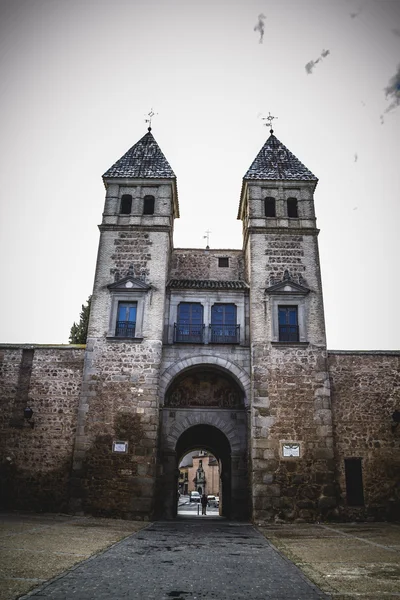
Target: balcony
x: 125, y: 329
x: 196, y: 334
x: 189, y: 334
x: 224, y: 334
x: 288, y: 333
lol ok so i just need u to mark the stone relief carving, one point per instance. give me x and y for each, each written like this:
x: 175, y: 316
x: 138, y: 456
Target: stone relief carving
x: 204, y: 390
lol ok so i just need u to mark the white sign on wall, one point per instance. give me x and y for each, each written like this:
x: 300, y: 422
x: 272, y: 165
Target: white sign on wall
x: 291, y: 449
x: 121, y: 447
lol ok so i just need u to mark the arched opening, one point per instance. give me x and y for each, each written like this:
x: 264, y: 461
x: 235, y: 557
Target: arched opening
x: 204, y: 408
x: 199, y: 476
x: 216, y: 443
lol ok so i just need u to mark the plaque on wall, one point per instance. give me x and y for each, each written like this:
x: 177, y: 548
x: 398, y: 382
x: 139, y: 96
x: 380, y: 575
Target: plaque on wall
x: 291, y: 450
x: 120, y: 447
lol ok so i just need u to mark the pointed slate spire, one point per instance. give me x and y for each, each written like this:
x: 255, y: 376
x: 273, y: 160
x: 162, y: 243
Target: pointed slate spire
x: 276, y: 162
x: 144, y: 160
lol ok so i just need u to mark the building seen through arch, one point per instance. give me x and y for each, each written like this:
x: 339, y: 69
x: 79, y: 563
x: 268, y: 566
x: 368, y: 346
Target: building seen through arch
x: 199, y: 471
x: 219, y: 350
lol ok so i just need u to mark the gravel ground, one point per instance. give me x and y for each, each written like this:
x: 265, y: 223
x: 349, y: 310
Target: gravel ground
x: 348, y: 561
x: 35, y: 548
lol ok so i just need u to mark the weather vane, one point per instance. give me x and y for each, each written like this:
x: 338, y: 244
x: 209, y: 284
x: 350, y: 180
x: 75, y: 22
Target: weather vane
x: 151, y: 114
x: 208, y: 238
x: 269, y: 120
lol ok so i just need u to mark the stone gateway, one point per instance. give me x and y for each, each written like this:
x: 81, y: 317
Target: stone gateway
x: 220, y: 350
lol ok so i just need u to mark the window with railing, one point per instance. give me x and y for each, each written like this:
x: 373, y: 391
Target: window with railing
x: 190, y: 326
x: 224, y: 328
x: 126, y: 321
x: 288, y: 324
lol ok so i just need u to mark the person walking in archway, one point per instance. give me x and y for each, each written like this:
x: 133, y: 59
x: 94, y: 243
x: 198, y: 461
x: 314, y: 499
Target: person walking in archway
x: 204, y: 503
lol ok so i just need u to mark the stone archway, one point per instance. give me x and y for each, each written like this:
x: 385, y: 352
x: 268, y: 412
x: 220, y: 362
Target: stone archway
x: 204, y: 408
x: 201, y: 362
x: 216, y: 443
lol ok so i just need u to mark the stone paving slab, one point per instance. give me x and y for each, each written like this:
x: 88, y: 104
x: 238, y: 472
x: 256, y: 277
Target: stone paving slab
x: 188, y: 559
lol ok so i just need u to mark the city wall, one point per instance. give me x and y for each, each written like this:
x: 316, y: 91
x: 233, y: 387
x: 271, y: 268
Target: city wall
x: 36, y: 454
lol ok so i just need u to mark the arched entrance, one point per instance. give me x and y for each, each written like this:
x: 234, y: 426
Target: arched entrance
x: 204, y: 408
x: 216, y: 443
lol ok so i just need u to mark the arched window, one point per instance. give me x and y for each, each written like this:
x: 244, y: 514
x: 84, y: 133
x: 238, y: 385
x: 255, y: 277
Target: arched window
x: 269, y: 207
x: 126, y: 204
x: 292, y: 207
x: 148, y: 205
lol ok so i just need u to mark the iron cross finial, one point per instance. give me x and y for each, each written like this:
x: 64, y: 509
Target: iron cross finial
x: 150, y: 115
x: 269, y: 120
x: 208, y: 238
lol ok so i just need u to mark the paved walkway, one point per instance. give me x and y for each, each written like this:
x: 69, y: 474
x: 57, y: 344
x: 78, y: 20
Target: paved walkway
x: 189, y: 559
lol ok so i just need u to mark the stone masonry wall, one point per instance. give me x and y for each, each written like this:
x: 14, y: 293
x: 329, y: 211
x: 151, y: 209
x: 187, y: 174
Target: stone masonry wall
x: 365, y: 393
x: 291, y: 388
x: 291, y: 404
x: 189, y: 263
x: 119, y: 403
x: 119, y: 400
x: 36, y: 462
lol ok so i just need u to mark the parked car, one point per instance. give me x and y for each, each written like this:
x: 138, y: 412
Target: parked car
x: 213, y: 501
x: 194, y: 497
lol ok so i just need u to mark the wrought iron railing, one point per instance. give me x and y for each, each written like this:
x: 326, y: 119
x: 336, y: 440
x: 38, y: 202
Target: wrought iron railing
x: 288, y: 333
x: 125, y: 329
x: 191, y: 334
x: 224, y: 334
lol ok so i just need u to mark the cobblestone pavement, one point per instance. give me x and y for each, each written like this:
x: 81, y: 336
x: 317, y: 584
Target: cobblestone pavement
x: 190, y: 559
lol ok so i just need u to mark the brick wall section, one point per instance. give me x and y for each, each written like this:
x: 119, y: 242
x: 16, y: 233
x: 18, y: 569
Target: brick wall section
x: 36, y: 462
x: 285, y: 252
x: 189, y: 263
x: 131, y: 248
x: 365, y: 393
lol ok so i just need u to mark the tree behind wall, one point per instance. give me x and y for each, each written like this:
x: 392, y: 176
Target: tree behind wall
x: 78, y: 333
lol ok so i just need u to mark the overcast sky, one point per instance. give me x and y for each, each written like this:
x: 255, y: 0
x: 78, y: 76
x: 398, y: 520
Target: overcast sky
x: 78, y: 77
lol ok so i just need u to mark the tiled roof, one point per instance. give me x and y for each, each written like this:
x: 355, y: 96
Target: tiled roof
x: 144, y: 159
x: 207, y: 284
x: 275, y: 161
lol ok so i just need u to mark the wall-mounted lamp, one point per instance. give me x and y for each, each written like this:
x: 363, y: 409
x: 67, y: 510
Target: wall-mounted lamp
x: 396, y: 420
x: 28, y: 414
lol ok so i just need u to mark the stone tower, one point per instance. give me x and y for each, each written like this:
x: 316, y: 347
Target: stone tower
x: 291, y: 430
x: 116, y: 444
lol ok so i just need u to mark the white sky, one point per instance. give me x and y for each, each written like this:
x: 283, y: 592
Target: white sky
x: 77, y: 78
